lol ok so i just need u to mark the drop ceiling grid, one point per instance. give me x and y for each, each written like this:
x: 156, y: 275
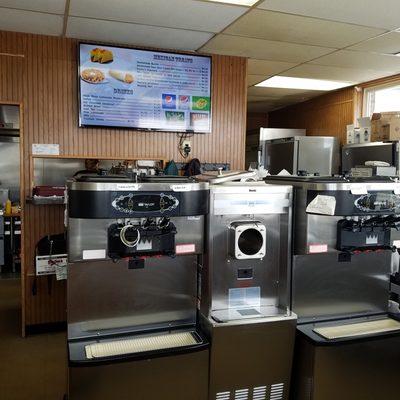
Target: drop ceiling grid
x: 200, y: 29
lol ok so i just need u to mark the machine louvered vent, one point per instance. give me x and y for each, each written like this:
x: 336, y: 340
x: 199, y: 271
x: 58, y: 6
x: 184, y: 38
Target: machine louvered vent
x: 277, y: 391
x: 260, y: 393
x: 223, y: 396
x: 256, y: 393
x: 242, y: 394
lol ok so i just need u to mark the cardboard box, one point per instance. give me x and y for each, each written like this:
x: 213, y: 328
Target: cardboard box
x: 385, y: 126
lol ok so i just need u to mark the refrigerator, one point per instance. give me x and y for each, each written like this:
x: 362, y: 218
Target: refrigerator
x: 311, y: 155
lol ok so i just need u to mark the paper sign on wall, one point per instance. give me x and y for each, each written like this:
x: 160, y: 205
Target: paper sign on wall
x: 46, y: 149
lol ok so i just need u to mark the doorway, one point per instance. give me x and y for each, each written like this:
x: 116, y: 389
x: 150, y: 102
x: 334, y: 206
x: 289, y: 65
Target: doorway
x: 10, y: 216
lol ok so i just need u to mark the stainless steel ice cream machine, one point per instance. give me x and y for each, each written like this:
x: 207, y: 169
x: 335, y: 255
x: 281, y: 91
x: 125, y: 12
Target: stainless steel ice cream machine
x: 245, y: 298
x: 134, y: 249
x: 348, y: 340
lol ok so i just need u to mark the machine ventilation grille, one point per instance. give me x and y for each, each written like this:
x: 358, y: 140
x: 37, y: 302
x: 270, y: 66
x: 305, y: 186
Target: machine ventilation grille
x: 277, y: 391
x: 260, y: 393
x: 223, y: 396
x: 241, y: 394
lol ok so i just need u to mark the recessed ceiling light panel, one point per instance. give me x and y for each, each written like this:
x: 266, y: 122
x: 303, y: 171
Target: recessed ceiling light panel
x: 247, y: 3
x: 288, y: 82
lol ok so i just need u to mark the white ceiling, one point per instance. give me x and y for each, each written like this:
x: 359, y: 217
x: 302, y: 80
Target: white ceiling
x: 323, y: 39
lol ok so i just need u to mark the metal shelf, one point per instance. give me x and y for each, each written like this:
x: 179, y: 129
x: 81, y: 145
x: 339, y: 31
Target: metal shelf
x: 41, y: 201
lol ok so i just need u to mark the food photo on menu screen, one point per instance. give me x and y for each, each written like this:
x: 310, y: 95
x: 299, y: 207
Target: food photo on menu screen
x: 143, y: 89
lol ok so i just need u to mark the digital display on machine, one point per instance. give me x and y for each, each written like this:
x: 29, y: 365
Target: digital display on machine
x: 122, y: 87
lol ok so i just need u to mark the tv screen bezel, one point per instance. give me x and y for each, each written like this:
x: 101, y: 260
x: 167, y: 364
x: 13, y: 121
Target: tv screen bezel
x: 124, y: 127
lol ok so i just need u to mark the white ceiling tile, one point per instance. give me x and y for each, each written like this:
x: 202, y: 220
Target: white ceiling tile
x: 385, y: 44
x: 298, y: 29
x: 140, y: 35
x: 253, y: 79
x: 185, y: 14
x: 368, y: 13
x: 360, y: 60
x: 267, y: 68
x: 31, y: 22
x: 263, y: 49
x: 313, y: 71
x: 49, y: 6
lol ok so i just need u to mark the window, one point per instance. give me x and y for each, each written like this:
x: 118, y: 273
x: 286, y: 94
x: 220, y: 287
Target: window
x: 381, y: 99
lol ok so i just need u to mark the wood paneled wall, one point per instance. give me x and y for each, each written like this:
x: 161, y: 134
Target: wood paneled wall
x: 326, y: 115
x: 256, y: 120
x: 40, y: 72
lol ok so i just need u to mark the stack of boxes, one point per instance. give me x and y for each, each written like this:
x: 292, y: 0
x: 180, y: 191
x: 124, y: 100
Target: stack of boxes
x: 382, y: 127
x: 385, y: 126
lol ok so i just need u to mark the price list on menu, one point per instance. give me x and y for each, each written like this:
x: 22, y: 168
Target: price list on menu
x: 144, y: 89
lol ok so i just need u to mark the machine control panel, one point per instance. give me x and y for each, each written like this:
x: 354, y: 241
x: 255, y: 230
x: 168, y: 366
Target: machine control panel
x: 132, y: 203
x: 378, y: 201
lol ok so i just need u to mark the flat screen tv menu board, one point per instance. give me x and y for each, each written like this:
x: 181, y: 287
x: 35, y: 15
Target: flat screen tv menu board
x: 130, y: 88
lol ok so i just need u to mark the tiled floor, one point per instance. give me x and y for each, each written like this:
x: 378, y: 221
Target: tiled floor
x: 32, y: 368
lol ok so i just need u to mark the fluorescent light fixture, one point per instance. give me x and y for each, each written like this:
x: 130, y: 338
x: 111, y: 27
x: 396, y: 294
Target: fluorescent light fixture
x: 248, y: 3
x: 288, y: 82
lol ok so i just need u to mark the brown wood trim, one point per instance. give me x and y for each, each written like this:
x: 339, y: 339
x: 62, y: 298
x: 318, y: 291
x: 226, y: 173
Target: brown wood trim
x: 380, y: 81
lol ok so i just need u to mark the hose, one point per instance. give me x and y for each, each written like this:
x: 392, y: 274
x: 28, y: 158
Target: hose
x: 125, y: 241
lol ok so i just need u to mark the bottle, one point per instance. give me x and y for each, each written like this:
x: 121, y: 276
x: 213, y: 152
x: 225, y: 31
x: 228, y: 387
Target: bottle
x: 8, y: 207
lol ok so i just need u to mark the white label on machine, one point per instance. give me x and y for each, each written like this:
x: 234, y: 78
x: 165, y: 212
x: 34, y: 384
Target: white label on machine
x: 93, y: 254
x: 128, y: 186
x: 180, y: 188
x: 185, y: 248
x: 324, y: 205
x: 46, y: 265
x: 396, y: 243
x: 245, y: 297
x: 144, y: 245
x: 359, y: 189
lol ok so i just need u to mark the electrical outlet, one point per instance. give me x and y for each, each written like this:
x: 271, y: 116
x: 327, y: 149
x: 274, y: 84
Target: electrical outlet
x: 186, y: 148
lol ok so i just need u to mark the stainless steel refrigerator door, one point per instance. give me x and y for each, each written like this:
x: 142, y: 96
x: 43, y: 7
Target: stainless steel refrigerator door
x: 172, y: 377
x: 107, y: 296
x: 251, y: 361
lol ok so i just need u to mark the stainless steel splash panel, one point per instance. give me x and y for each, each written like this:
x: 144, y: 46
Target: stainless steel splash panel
x: 107, y: 297
x: 324, y: 288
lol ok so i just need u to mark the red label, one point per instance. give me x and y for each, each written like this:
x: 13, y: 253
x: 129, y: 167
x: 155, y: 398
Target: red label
x: 185, y: 248
x: 318, y: 248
